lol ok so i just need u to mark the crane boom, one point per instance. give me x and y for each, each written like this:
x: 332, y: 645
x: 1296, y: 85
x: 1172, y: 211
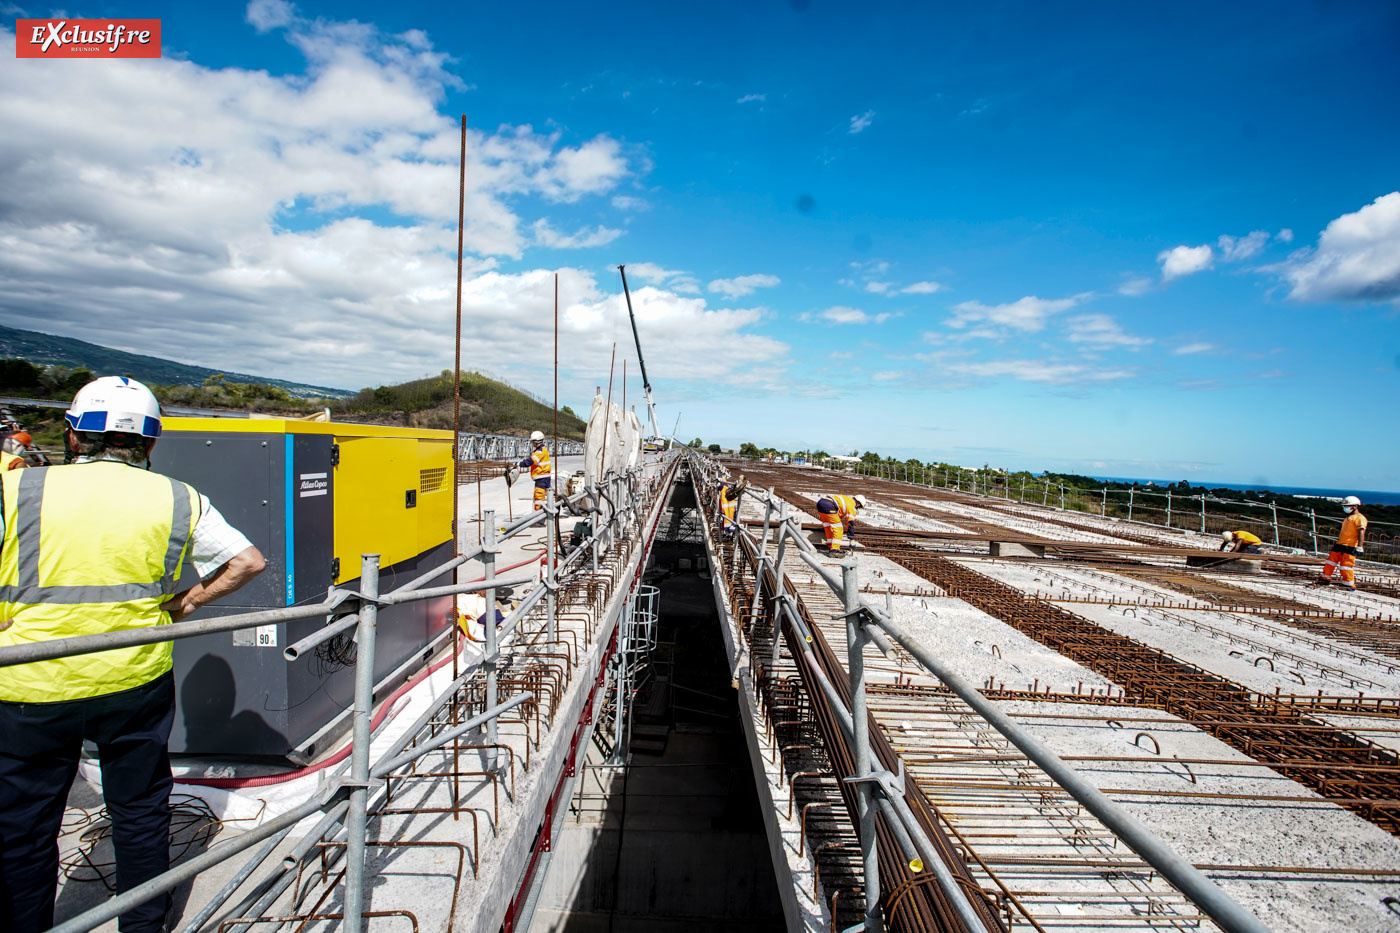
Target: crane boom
x: 646, y: 383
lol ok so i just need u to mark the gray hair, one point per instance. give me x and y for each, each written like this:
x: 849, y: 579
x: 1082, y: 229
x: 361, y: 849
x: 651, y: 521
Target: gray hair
x: 92, y: 446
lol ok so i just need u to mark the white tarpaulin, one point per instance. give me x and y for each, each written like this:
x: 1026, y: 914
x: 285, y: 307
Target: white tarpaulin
x: 634, y: 452
x: 623, y: 440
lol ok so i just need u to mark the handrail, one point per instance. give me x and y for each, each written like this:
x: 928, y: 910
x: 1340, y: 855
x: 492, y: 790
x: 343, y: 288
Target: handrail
x: 1213, y: 901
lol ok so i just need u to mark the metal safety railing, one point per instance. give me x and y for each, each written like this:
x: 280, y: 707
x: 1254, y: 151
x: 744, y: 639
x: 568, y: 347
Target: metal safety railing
x: 1148, y: 507
x: 356, y: 789
x: 883, y: 791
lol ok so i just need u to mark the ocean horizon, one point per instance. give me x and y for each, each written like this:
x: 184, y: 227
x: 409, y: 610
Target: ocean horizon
x: 1367, y: 496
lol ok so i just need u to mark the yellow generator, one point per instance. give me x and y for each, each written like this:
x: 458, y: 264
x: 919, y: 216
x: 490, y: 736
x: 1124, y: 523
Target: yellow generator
x: 313, y: 497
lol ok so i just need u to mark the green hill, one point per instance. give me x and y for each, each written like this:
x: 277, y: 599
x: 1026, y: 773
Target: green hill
x: 48, y: 350
x: 488, y: 406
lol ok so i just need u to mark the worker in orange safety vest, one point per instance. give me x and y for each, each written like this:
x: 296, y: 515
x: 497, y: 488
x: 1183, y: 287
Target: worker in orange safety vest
x: 1351, y: 542
x: 838, y: 515
x: 540, y: 468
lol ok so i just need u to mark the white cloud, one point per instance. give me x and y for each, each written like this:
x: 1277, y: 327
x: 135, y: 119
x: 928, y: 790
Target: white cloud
x: 878, y: 288
x: 1284, y: 236
x: 1102, y: 332
x: 651, y: 272
x: 743, y: 285
x: 626, y: 202
x: 1235, y: 249
x: 584, y: 238
x: 1025, y: 315
x: 873, y: 267
x: 1037, y: 371
x: 1357, y: 257
x: 1200, y: 346
x: 921, y: 288
x: 861, y: 121
x: 592, y: 168
x: 1135, y: 287
x: 1185, y: 260
x: 889, y: 375
x: 250, y: 208
x: 266, y: 15
x: 841, y: 314
x: 752, y: 98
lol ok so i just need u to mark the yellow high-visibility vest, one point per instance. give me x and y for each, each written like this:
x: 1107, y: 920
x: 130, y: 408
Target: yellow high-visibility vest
x: 89, y: 548
x: 8, y: 461
x: 539, y: 463
x: 845, y: 505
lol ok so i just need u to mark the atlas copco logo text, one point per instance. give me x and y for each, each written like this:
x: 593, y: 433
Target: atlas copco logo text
x: 87, y: 38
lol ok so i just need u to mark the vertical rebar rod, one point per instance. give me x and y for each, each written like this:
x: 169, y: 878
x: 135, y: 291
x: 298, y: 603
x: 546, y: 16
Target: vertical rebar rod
x: 457, y: 343
x: 856, y: 638
x: 1131, y: 489
x: 1203, y: 513
x: 356, y: 817
x: 455, y: 711
x: 488, y: 662
x: 554, y: 470
x: 607, y: 416
x: 550, y: 561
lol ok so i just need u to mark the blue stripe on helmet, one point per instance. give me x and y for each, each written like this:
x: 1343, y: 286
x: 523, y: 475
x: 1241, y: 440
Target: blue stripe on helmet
x: 95, y: 421
x: 151, y: 428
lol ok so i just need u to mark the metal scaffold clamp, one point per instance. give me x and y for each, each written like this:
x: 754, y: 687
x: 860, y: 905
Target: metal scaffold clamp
x: 892, y: 785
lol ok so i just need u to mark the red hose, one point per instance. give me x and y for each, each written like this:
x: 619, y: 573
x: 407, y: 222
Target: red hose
x: 234, y: 783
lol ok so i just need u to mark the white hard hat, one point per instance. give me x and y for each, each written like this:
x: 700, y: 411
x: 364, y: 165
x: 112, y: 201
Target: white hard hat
x: 114, y: 404
x: 1351, y: 501
x: 862, y: 502
x: 536, y: 435
x: 1228, y: 535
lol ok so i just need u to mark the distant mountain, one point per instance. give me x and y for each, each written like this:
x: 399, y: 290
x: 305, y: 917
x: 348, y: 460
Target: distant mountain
x: 49, y: 350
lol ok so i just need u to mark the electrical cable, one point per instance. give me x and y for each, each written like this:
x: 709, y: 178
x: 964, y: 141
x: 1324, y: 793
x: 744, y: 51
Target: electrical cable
x: 192, y: 822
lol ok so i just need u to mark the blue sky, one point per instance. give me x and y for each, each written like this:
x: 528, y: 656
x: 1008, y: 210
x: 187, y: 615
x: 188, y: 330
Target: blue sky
x: 1122, y: 239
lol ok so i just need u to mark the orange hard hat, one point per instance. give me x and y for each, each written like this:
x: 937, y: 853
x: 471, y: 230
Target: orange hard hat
x: 24, y: 438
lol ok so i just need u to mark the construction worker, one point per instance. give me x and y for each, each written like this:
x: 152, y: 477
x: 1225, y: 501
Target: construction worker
x: 12, y: 450
x: 1351, y: 542
x: 729, y: 493
x: 92, y: 546
x: 838, y: 515
x: 540, y: 469
x: 1241, y: 542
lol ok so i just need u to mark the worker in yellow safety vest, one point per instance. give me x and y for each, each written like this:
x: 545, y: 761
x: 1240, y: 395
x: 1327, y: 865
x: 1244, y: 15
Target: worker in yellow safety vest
x: 1241, y: 542
x: 96, y: 545
x: 1351, y: 542
x: 540, y: 468
x: 838, y: 515
x: 12, y: 450
x: 729, y: 493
